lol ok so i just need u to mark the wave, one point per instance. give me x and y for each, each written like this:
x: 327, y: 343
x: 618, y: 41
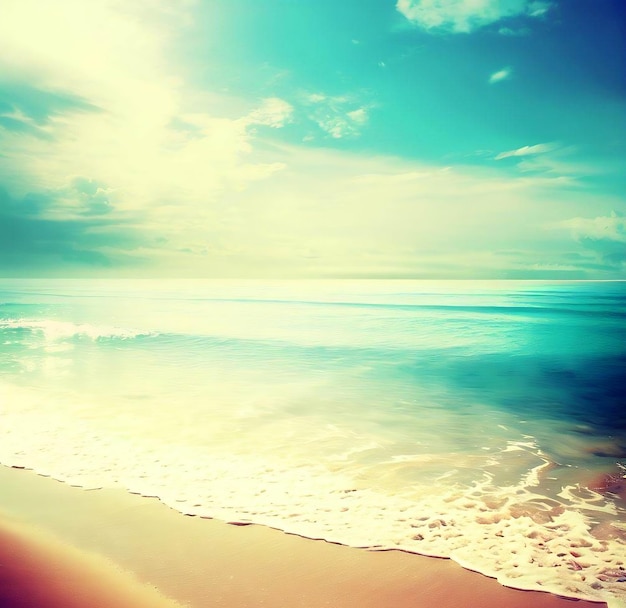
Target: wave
x: 54, y: 331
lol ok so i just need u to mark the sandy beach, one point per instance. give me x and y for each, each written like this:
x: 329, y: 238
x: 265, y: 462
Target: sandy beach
x: 64, y: 546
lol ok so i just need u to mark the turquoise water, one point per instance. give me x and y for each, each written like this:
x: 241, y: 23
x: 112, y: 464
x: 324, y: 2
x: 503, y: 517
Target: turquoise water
x: 458, y: 419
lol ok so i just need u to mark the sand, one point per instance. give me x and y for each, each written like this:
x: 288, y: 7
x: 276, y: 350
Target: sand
x: 66, y: 547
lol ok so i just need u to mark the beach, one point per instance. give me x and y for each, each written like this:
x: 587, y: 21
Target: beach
x: 312, y: 304
x: 398, y: 423
x: 65, y: 546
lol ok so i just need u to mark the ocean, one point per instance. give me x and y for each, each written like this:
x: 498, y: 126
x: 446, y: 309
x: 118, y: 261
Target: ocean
x: 484, y: 421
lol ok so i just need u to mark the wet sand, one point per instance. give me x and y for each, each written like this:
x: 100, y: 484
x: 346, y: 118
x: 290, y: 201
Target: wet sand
x: 72, y: 548
x: 38, y: 570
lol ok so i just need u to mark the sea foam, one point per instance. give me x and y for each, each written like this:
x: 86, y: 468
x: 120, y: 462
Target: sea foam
x: 513, y: 533
x: 57, y: 331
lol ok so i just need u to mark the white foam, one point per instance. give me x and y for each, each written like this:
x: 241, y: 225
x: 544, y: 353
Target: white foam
x: 515, y: 533
x: 56, y: 331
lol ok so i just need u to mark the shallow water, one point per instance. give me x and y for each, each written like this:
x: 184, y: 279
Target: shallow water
x: 460, y: 419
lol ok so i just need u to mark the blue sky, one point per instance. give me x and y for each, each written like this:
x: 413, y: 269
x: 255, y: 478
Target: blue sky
x: 313, y: 138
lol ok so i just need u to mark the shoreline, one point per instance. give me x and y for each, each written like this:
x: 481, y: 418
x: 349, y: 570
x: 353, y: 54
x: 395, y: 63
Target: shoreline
x: 121, y: 545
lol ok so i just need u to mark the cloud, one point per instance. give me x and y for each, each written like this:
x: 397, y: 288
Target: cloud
x: 339, y: 127
x: 341, y: 214
x: 96, y: 120
x: 31, y: 239
x: 464, y: 16
x: 339, y: 116
x: 503, y: 74
x: 507, y: 31
x: 602, y: 228
x: 359, y: 116
x: 561, y: 162
x: 30, y: 110
x: 605, y: 235
x: 556, y: 165
x: 112, y: 160
x: 324, y: 213
x: 273, y: 112
x: 538, y: 8
x: 527, y: 151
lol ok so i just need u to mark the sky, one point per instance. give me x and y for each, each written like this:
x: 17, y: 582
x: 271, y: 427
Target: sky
x: 427, y: 139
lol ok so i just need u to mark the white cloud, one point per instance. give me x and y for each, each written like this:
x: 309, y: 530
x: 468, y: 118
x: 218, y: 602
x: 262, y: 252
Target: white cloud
x: 332, y: 213
x: 464, y: 16
x: 204, y: 192
x: 358, y: 117
x: 337, y: 126
x: 507, y: 31
x: 315, y: 97
x: 560, y: 162
x: 101, y: 50
x: 527, y: 151
x: 146, y: 137
x: 500, y: 75
x: 557, y: 165
x: 602, y: 228
x: 339, y: 116
x: 604, y: 236
x: 347, y: 125
x: 274, y: 112
x: 538, y: 9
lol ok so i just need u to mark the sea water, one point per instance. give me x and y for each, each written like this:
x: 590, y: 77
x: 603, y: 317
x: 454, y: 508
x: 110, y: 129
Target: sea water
x: 481, y: 421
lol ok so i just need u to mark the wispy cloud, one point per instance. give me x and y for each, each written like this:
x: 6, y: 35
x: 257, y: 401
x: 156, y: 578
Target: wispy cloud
x: 273, y: 112
x: 339, y: 116
x: 565, y: 163
x: 508, y: 31
x: 538, y: 8
x: 342, y: 214
x: 339, y: 127
x: 500, y: 75
x: 464, y: 16
x: 527, y: 151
